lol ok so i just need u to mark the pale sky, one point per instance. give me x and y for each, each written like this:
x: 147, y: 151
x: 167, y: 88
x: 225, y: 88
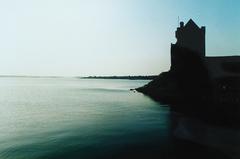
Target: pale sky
x: 107, y: 37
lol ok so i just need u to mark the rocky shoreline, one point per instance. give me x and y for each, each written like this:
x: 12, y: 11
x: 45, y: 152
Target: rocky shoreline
x: 191, y: 90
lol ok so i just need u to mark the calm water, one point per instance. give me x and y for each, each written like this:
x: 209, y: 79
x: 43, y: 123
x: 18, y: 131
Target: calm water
x: 70, y: 118
x: 76, y: 118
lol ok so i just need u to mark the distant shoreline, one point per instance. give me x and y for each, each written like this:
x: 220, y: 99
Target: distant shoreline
x: 151, y: 77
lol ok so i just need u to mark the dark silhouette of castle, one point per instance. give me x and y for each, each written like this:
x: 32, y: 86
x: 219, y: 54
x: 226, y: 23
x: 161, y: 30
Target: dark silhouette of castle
x: 212, y: 82
x: 192, y: 37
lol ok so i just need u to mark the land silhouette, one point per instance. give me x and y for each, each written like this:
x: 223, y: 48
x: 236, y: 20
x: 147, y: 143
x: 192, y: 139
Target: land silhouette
x: 197, y: 85
x: 151, y: 77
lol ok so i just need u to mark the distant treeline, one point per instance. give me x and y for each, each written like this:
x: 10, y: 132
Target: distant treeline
x: 122, y: 77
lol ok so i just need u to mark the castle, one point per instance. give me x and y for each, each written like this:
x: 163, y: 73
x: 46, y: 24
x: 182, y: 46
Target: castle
x: 192, y: 37
x: 197, y: 85
x: 188, y: 53
x: 193, y: 76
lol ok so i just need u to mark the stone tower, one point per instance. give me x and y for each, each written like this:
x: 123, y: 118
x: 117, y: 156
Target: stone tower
x: 191, y: 37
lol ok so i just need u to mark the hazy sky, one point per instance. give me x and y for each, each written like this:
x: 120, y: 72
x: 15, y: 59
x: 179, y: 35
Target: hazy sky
x: 106, y: 37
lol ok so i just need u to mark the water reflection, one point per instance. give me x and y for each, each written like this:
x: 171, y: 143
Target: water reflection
x: 222, y: 141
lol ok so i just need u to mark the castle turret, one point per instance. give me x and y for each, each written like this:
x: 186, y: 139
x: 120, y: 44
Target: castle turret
x: 190, y: 43
x: 192, y: 37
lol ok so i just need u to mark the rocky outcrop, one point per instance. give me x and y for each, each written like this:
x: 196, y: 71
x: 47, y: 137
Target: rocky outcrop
x: 189, y: 87
x: 185, y: 82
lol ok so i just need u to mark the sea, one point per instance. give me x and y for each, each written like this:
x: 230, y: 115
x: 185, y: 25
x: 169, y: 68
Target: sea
x: 73, y: 118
